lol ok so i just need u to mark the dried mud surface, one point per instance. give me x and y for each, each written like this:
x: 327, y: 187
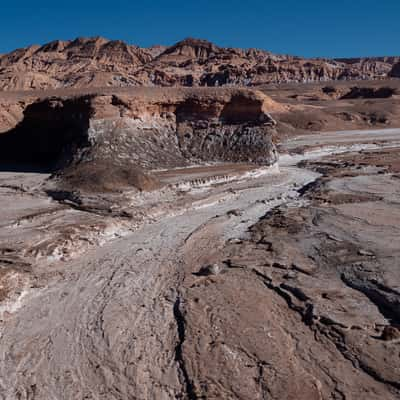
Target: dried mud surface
x: 306, y: 306
x: 230, y: 282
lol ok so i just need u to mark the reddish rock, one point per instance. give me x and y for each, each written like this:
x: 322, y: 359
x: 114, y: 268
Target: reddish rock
x: 98, y: 62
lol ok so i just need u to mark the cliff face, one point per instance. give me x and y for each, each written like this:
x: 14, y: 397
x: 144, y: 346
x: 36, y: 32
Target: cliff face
x: 88, y: 136
x: 98, y: 62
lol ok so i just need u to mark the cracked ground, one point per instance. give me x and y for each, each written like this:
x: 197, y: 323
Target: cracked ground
x: 285, y: 286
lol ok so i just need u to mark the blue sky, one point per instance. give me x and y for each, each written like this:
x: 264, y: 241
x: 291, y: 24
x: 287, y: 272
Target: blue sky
x: 335, y: 28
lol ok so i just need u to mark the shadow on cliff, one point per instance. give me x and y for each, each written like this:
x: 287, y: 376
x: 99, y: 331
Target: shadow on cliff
x: 47, y: 137
x: 53, y: 137
x: 88, y: 145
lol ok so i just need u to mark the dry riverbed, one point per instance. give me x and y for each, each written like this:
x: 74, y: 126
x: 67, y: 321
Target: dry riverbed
x: 275, y: 285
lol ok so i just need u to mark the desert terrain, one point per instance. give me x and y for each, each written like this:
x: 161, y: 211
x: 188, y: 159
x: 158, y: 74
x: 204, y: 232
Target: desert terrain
x: 99, y: 62
x: 195, y: 242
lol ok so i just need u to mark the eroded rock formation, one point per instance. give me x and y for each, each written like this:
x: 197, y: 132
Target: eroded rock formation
x: 98, y: 62
x: 86, y: 137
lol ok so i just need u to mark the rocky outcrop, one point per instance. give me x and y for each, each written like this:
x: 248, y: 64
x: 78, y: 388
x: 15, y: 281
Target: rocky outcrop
x: 189, y: 49
x: 369, y: 93
x: 102, y: 141
x: 98, y: 62
x: 11, y: 113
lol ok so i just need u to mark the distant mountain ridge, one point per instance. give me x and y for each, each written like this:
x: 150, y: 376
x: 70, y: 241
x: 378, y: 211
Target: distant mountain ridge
x: 99, y: 62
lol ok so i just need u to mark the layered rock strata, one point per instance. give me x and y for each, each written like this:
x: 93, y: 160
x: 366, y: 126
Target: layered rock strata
x: 92, y: 138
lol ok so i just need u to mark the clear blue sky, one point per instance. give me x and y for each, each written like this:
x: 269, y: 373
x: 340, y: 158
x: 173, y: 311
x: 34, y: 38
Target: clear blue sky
x: 334, y: 28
